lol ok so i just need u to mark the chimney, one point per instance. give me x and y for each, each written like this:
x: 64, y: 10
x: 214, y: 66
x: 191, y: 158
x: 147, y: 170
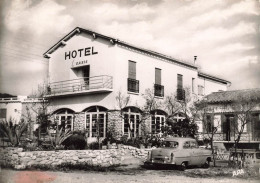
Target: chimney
x: 195, y: 58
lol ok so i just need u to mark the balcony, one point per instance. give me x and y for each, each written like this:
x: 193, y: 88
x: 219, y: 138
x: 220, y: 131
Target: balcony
x: 158, y: 90
x: 180, y: 94
x: 133, y: 85
x: 85, y: 85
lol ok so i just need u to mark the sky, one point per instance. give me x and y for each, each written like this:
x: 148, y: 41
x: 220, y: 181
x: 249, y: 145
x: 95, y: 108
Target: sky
x: 223, y: 34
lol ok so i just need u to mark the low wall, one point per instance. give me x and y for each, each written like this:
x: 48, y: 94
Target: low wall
x: 15, y: 157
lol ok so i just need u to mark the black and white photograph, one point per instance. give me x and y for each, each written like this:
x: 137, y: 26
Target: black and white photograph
x: 112, y: 91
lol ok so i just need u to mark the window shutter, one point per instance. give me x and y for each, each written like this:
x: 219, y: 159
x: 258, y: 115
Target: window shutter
x: 179, y: 81
x: 132, y: 70
x: 157, y: 76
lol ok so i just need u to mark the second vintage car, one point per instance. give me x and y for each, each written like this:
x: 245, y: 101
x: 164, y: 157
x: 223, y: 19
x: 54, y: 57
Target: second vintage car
x: 181, y: 152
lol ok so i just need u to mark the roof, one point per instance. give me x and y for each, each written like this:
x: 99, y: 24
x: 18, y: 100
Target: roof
x: 214, y: 78
x: 78, y: 30
x: 234, y: 95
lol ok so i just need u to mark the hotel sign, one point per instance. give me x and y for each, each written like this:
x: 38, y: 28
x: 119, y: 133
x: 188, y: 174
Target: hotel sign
x: 83, y: 52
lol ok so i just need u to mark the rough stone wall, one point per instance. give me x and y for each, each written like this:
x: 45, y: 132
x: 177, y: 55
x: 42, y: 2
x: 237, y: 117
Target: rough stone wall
x: 16, y: 157
x: 114, y: 124
x: 146, y: 126
x: 79, y: 122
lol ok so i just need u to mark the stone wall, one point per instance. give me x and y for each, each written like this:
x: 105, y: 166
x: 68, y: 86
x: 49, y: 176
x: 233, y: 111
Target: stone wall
x: 114, y: 124
x: 15, y: 157
x: 79, y: 122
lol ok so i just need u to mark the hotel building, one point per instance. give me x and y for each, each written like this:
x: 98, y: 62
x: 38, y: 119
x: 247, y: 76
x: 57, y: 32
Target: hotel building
x: 87, y: 70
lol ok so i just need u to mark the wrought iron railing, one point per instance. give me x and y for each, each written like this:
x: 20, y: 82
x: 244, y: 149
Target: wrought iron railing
x: 133, y: 85
x: 80, y: 84
x: 158, y: 90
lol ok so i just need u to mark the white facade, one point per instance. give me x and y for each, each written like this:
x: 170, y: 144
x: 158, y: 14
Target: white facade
x: 104, y: 61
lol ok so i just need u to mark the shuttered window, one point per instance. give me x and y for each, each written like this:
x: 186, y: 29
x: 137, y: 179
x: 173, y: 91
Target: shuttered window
x: 157, y: 76
x: 132, y: 70
x: 179, y: 81
x: 193, y: 85
x: 2, y: 113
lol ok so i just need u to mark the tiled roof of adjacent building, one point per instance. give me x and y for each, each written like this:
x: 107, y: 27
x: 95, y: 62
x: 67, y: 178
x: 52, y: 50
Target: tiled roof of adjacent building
x: 233, y: 95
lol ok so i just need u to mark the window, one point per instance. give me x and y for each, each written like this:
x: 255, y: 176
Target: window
x: 200, y: 90
x: 186, y: 145
x: 64, y: 119
x: 180, y: 90
x: 131, y: 125
x: 132, y: 69
x: 179, y: 81
x: 194, y: 144
x: 2, y: 114
x: 193, y: 85
x: 96, y: 121
x: 158, y: 122
x: 158, y: 88
x: 132, y: 83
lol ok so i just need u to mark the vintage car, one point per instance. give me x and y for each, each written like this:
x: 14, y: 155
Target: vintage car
x: 181, y: 152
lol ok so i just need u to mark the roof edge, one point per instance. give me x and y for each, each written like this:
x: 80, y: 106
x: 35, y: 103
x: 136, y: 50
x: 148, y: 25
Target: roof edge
x: 214, y: 78
x: 115, y: 41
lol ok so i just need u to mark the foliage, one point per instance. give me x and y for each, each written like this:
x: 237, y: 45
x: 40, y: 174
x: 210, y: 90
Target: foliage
x: 13, y: 131
x: 94, y: 146
x: 59, y: 137
x: 75, y: 141
x: 109, y: 138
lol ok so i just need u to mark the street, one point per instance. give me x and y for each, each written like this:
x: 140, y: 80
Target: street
x: 120, y: 175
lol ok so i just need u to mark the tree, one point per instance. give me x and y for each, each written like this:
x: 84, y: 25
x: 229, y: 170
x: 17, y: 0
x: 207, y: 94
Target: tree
x: 243, y: 105
x: 150, y: 103
x: 210, y: 123
x: 38, y: 110
x: 185, y: 107
x: 13, y: 131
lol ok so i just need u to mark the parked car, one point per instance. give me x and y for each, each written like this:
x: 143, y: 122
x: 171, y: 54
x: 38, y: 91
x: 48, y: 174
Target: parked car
x: 181, y: 152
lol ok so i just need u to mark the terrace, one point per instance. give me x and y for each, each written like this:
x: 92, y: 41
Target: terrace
x: 84, y: 85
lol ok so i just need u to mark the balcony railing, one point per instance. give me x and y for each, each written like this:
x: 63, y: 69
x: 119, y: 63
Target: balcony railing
x: 81, y: 85
x: 133, y: 85
x: 158, y: 90
x: 180, y: 94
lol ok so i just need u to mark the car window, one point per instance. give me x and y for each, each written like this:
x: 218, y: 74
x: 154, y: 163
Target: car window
x: 186, y: 145
x: 171, y: 144
x: 193, y: 144
x: 257, y: 155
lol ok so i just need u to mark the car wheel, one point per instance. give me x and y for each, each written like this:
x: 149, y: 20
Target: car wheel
x: 206, y: 164
x: 183, y: 166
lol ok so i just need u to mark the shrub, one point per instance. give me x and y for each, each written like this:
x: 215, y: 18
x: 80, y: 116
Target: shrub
x: 75, y: 142
x: 94, y: 146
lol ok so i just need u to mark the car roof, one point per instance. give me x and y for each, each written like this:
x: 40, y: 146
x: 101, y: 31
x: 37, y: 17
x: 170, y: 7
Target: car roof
x: 179, y: 139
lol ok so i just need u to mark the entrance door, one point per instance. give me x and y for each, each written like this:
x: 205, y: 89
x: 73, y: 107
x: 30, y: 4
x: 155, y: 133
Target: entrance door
x: 230, y: 128
x: 85, y: 73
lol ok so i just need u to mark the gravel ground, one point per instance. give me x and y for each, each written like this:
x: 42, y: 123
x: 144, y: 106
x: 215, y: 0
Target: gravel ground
x: 120, y: 175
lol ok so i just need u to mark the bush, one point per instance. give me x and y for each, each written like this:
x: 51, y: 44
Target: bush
x: 109, y: 138
x: 75, y: 142
x: 94, y: 146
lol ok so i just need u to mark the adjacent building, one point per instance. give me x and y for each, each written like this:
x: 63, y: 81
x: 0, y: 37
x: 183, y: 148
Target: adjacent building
x: 229, y: 110
x: 88, y: 70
